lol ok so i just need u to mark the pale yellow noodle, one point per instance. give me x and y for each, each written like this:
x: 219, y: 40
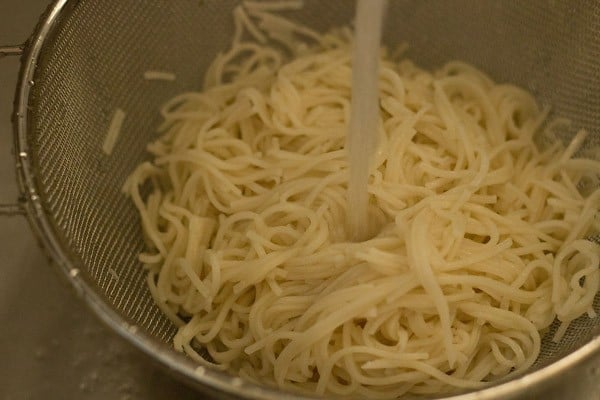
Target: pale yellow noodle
x: 483, y: 235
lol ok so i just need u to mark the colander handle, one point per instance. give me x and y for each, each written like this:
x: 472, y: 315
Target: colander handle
x: 11, y: 51
x: 11, y: 209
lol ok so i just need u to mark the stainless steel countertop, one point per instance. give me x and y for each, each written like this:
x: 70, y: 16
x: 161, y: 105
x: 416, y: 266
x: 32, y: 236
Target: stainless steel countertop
x: 51, y: 345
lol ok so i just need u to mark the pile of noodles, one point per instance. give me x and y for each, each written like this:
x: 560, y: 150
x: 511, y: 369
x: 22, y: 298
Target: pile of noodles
x: 481, y: 235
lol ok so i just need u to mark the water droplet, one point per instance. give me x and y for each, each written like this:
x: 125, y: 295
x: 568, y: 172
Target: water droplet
x: 74, y: 272
x: 200, y: 371
x: 133, y: 329
x: 31, y: 83
x: 40, y: 353
x: 34, y: 197
x: 23, y: 154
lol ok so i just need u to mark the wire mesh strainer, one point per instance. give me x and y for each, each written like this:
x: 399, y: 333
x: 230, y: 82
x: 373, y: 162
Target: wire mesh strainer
x: 87, y: 58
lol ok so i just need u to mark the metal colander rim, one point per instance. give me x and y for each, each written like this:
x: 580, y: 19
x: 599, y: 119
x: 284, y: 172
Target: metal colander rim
x: 176, y: 363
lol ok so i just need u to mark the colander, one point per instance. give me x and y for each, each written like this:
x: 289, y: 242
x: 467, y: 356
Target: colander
x: 87, y: 58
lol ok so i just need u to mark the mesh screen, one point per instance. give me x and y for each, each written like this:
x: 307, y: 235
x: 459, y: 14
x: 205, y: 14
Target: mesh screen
x: 94, y: 62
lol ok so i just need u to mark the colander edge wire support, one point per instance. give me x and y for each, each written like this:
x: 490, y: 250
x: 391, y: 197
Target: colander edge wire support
x: 221, y: 384
x: 11, y: 209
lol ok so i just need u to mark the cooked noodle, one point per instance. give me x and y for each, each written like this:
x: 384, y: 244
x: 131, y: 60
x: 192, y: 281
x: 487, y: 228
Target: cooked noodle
x: 114, y: 130
x: 159, y: 76
x: 483, y: 240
